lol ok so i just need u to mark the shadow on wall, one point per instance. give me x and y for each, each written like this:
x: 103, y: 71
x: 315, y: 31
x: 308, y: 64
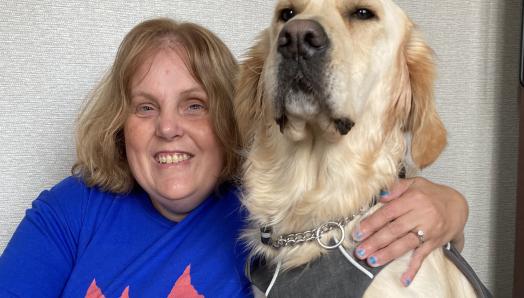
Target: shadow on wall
x: 504, y: 194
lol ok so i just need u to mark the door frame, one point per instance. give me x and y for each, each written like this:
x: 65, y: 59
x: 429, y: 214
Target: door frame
x: 518, y: 271
x: 518, y: 278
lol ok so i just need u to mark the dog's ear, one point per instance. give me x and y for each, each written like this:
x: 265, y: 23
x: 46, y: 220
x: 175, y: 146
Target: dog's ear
x: 248, y: 101
x: 428, y: 135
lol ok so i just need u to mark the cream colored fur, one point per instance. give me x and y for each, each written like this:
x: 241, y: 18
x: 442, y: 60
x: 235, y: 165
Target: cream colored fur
x: 302, y: 175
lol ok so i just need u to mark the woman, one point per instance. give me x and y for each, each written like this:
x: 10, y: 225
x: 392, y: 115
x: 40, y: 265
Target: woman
x: 150, y: 210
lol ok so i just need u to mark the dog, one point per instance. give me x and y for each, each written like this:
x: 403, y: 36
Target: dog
x: 333, y: 101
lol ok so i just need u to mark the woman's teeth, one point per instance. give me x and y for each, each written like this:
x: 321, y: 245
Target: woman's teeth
x: 173, y: 158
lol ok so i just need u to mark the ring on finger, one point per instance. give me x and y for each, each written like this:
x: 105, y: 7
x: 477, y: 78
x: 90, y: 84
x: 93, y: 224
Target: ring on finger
x: 420, y: 235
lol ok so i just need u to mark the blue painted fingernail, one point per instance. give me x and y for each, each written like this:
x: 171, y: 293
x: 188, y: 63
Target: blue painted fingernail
x: 358, y: 235
x: 407, y: 281
x: 372, y: 261
x: 361, y: 252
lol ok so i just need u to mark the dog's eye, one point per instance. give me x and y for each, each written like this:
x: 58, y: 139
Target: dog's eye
x: 363, y: 14
x: 287, y: 14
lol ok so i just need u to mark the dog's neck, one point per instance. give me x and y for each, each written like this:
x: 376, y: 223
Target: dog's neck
x: 294, y: 186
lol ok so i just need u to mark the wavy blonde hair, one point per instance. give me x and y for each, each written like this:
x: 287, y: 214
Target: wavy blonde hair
x: 101, y: 158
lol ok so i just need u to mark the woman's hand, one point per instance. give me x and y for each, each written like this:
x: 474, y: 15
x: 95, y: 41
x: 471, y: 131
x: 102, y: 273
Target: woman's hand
x: 412, y: 205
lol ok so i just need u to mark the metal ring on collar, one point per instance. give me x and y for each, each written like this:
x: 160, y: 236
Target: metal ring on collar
x: 328, y: 225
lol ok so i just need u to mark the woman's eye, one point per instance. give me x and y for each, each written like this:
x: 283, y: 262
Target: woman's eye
x: 196, y: 107
x: 363, y: 14
x: 145, y: 109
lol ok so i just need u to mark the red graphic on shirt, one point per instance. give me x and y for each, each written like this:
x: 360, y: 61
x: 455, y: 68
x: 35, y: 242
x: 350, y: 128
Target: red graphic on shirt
x: 181, y: 289
x: 125, y: 294
x: 94, y: 291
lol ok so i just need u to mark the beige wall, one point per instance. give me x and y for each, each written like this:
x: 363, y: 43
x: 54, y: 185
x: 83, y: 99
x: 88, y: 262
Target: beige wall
x: 53, y: 52
x: 477, y: 44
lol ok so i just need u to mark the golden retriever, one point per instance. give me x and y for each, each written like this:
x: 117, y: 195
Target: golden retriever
x: 332, y: 101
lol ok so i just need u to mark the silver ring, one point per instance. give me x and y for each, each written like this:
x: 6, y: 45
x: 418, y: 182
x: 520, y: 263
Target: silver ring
x: 420, y: 235
x: 331, y: 224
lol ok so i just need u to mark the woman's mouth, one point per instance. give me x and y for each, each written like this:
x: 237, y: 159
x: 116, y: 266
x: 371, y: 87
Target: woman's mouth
x: 172, y: 158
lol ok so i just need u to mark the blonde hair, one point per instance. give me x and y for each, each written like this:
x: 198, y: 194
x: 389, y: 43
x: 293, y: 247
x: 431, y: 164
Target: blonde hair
x: 101, y: 159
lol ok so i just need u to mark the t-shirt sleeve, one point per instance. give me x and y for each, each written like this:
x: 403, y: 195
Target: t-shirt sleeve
x: 39, y: 257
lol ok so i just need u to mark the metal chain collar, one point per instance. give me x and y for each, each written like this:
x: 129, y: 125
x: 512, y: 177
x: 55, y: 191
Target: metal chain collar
x: 293, y: 239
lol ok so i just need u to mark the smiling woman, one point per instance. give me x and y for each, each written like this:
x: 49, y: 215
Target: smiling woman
x: 152, y: 192
x: 171, y: 146
x: 100, y: 137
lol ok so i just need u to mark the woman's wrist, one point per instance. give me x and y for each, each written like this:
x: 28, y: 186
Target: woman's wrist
x: 461, y: 205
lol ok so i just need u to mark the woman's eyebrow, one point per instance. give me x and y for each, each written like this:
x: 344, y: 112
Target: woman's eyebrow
x: 143, y: 94
x: 196, y: 89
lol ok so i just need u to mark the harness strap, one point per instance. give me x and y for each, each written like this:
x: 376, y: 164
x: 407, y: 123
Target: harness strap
x: 456, y: 258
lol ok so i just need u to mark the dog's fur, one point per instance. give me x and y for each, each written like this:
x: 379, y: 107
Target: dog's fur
x: 303, y: 167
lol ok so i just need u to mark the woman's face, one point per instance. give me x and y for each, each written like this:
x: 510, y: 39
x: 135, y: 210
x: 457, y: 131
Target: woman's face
x: 171, y: 146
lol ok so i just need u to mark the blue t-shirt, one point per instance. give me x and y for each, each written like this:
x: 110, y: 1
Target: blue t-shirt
x: 78, y: 241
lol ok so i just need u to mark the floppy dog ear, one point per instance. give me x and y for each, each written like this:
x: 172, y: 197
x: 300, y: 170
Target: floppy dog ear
x: 248, y: 101
x: 427, y: 130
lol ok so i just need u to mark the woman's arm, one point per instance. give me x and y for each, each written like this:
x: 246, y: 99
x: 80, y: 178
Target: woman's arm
x: 40, y: 256
x: 412, y: 205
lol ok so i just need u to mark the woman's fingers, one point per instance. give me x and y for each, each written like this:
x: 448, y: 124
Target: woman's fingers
x: 386, y: 239
x: 378, y: 220
x: 395, y: 249
x: 417, y: 258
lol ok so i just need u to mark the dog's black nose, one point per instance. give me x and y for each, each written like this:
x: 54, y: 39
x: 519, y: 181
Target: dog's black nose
x: 302, y: 38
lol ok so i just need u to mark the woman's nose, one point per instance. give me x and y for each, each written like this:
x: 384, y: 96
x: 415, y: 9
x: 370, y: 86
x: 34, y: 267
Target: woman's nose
x: 169, y: 125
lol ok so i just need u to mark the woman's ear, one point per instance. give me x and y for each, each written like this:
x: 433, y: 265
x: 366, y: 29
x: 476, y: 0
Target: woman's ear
x: 248, y: 101
x: 428, y: 135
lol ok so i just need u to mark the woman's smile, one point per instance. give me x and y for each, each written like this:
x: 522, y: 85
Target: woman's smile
x: 172, y: 157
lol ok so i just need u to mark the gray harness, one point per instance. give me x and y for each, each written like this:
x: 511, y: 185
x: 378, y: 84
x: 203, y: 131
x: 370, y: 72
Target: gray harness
x: 316, y: 279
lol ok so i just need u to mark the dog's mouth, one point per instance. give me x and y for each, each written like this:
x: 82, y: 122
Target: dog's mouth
x: 301, y: 100
x: 342, y: 125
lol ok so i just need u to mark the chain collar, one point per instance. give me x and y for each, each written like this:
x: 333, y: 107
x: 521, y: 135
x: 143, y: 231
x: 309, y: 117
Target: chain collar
x: 293, y: 239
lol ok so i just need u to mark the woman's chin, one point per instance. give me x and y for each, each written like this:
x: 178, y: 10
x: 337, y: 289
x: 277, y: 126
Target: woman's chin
x: 175, y: 208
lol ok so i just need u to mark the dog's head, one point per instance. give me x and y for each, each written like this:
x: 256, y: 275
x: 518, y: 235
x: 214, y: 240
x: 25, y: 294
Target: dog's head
x: 326, y: 68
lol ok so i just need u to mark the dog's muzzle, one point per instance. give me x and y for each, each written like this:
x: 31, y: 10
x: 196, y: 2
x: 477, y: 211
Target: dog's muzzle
x: 302, y: 46
x: 302, y: 80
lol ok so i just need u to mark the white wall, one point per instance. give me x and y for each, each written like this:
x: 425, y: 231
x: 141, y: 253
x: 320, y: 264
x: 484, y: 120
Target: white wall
x: 53, y: 52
